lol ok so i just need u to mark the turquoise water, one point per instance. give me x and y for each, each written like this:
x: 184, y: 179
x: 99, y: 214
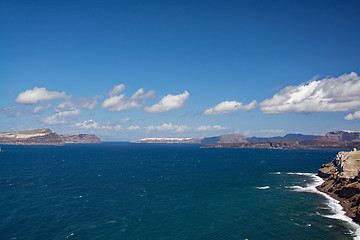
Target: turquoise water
x: 163, y: 191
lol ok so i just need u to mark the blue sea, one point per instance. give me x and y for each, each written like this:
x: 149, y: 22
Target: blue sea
x: 165, y: 192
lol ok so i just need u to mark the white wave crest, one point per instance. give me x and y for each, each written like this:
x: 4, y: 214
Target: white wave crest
x: 263, y: 188
x: 333, y: 204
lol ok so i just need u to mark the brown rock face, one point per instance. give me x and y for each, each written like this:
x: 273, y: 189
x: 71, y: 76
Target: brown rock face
x: 42, y: 136
x: 80, y: 138
x: 342, y: 181
x: 343, y: 135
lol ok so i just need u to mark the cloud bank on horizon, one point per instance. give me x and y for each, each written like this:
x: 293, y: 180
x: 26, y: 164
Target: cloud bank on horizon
x: 330, y: 94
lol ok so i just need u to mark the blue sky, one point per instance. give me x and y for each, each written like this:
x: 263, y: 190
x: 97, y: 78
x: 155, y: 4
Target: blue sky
x: 132, y: 69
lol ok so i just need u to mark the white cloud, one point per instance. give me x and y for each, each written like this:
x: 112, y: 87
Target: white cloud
x: 140, y: 94
x: 121, y: 103
x: 92, y: 124
x: 125, y: 120
x: 352, y: 116
x: 87, y: 124
x: 64, y: 106
x: 168, y: 127
x: 168, y: 103
x: 117, y: 89
x: 210, y: 128
x: 87, y: 102
x: 37, y: 95
x: 131, y: 128
x: 333, y: 94
x: 228, y: 107
x: 41, y: 109
x: 183, y: 128
x: 271, y: 131
x: 63, y: 117
x: 117, y: 127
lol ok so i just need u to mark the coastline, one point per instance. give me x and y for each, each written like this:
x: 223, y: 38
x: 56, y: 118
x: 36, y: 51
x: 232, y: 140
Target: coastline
x: 345, y: 204
x: 339, y: 211
x: 341, y: 182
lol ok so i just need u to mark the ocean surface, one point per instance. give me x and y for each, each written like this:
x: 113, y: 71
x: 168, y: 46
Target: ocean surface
x: 165, y: 191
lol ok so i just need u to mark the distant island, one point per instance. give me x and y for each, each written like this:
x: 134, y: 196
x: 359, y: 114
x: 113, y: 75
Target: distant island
x: 168, y: 140
x: 80, y: 138
x: 335, y: 139
x: 44, y: 136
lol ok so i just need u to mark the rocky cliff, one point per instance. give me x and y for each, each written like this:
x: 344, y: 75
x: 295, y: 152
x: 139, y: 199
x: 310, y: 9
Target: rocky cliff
x: 80, y: 138
x: 342, y: 181
x: 42, y: 136
x: 343, y: 135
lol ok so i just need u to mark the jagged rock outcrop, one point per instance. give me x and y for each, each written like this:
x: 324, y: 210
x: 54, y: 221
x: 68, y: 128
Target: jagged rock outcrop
x: 80, y: 138
x: 341, y: 181
x: 42, y: 136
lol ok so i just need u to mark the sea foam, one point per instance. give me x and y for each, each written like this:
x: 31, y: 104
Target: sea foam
x: 333, y: 204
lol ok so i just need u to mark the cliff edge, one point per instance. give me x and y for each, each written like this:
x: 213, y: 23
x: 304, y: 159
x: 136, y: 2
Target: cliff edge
x: 43, y: 136
x: 341, y: 181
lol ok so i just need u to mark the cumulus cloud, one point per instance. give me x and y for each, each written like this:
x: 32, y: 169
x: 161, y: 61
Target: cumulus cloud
x: 37, y: 95
x: 121, y: 103
x: 63, y: 117
x: 228, y: 107
x: 64, y: 106
x: 271, y: 131
x: 183, y: 128
x: 168, y: 103
x: 87, y: 103
x: 210, y: 128
x: 168, y: 127
x: 352, y: 116
x: 131, y: 128
x: 41, y: 109
x: 87, y: 124
x: 92, y: 124
x: 331, y: 94
x: 125, y: 120
x: 117, y: 89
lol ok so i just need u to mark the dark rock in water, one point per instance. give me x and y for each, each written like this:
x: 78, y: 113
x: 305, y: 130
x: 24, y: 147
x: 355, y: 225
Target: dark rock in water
x: 42, y: 136
x: 341, y: 181
x: 80, y: 138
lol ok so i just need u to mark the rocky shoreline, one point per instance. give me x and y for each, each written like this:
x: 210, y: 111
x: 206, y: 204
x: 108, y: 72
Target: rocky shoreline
x: 341, y: 182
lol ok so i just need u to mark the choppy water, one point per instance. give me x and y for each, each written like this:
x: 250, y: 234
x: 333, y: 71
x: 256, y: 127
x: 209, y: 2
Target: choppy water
x: 165, y: 191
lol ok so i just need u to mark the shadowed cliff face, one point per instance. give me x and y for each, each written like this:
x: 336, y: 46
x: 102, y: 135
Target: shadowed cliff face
x: 42, y: 136
x: 342, y: 181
